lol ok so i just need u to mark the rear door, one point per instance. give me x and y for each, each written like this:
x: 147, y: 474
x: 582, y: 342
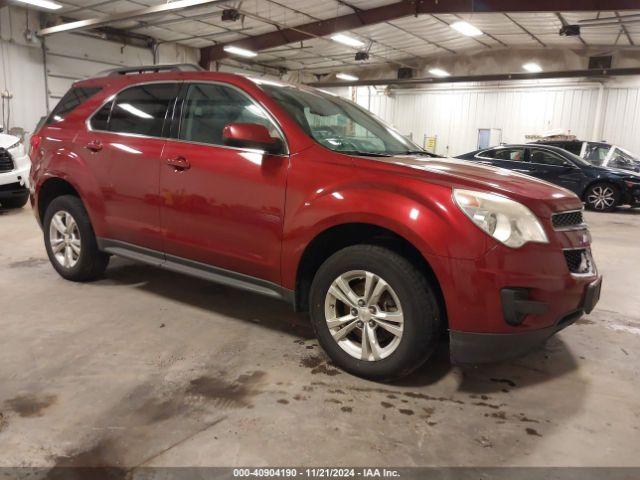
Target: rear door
x: 124, y: 146
x: 554, y: 168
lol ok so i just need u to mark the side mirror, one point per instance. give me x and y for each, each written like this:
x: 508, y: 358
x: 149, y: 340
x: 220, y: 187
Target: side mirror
x: 251, y: 135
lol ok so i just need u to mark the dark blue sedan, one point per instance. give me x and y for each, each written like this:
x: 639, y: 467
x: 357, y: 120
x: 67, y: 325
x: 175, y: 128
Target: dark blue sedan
x: 600, y: 188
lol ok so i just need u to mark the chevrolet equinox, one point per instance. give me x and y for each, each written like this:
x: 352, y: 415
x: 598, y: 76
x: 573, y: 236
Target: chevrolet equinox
x: 300, y: 195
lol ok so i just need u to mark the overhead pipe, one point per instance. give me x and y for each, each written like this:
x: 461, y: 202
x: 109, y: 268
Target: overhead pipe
x: 483, y: 78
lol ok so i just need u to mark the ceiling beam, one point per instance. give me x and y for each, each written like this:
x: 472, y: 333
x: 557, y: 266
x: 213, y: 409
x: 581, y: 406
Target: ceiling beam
x: 406, y: 8
x: 599, y: 73
x: 105, y: 20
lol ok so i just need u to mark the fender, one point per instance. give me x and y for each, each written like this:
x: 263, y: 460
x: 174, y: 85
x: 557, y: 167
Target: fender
x: 66, y: 165
x: 427, y: 222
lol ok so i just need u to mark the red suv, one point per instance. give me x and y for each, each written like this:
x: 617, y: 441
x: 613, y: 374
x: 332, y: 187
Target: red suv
x: 301, y: 195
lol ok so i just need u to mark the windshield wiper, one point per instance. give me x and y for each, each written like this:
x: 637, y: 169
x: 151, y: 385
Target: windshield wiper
x: 364, y: 154
x: 420, y: 152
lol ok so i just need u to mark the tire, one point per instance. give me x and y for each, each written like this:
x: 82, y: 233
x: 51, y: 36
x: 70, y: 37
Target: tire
x: 602, y: 197
x: 15, y: 202
x: 86, y: 261
x: 397, y: 355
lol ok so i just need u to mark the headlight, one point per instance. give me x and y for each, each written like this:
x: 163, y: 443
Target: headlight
x: 15, y: 145
x: 505, y: 220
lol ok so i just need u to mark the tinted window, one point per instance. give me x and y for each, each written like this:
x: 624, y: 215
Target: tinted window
x: 100, y: 120
x: 514, y: 154
x: 573, y: 147
x: 208, y: 108
x: 142, y: 109
x: 545, y: 157
x: 71, y: 100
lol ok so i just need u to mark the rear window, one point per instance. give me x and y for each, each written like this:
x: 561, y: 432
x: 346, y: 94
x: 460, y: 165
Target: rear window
x: 74, y: 97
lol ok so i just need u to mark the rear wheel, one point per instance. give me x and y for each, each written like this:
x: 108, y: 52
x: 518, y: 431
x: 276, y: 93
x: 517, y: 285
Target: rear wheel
x: 374, y: 313
x: 602, y: 197
x: 70, y: 241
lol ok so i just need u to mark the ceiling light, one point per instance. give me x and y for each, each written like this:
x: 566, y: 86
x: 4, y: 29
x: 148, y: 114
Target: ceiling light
x: 243, y: 52
x: 466, y: 28
x: 438, y: 72
x: 346, y: 40
x: 42, y: 4
x: 346, y: 76
x: 532, y: 67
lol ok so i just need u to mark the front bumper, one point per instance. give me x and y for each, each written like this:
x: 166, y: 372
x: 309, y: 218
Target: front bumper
x: 474, y: 348
x: 19, y: 175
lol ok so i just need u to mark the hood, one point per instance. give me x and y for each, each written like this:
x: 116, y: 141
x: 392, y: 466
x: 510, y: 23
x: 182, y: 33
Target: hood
x: 622, y: 173
x: 537, y: 194
x: 7, y: 141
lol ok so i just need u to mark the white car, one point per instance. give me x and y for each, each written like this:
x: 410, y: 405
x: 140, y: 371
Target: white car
x: 14, y: 172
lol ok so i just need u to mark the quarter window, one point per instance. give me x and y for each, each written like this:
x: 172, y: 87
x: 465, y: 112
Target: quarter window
x: 142, y: 109
x: 208, y: 108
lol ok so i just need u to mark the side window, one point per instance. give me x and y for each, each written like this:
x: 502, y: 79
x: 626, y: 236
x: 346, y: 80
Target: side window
x: 209, y: 107
x: 596, y: 154
x: 142, y: 109
x: 513, y: 154
x: 70, y: 100
x: 100, y: 119
x: 545, y: 157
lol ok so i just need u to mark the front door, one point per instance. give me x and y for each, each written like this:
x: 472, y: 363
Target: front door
x: 553, y: 168
x: 222, y: 206
x: 123, y: 149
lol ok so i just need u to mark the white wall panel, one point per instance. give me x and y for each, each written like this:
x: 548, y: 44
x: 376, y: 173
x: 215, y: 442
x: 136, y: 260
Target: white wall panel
x: 622, y: 118
x: 454, y: 115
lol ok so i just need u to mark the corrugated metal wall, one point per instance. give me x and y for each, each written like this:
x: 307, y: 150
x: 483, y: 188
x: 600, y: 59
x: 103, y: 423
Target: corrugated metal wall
x: 454, y: 114
x: 622, y: 117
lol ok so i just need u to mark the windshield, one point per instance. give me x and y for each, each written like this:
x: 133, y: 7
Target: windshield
x: 624, y: 159
x: 339, y: 124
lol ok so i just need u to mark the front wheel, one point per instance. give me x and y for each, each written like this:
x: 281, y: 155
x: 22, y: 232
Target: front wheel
x: 602, y: 197
x: 374, y: 313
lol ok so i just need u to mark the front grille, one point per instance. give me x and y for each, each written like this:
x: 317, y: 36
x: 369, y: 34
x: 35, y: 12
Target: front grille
x: 567, y: 220
x: 6, y: 162
x: 579, y: 260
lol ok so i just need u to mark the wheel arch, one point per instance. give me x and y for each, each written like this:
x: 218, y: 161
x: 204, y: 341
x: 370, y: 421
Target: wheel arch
x: 52, y: 188
x: 337, y: 237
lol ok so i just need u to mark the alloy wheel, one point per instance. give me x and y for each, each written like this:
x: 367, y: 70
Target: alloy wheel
x: 64, y: 237
x: 601, y: 198
x: 364, y: 315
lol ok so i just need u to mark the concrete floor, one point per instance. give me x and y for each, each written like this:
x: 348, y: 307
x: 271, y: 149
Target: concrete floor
x: 151, y: 368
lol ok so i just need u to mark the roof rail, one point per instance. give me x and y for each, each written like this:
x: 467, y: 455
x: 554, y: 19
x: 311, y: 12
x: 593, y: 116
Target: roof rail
x: 177, y: 67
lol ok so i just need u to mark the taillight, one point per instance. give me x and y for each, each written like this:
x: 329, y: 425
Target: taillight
x: 34, y: 143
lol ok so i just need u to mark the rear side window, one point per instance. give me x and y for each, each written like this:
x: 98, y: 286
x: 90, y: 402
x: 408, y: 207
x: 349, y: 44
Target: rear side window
x: 74, y: 97
x: 100, y: 119
x: 142, y: 109
x: 513, y: 154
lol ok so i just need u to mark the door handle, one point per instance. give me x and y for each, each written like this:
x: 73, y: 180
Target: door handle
x: 94, y: 146
x: 180, y: 164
